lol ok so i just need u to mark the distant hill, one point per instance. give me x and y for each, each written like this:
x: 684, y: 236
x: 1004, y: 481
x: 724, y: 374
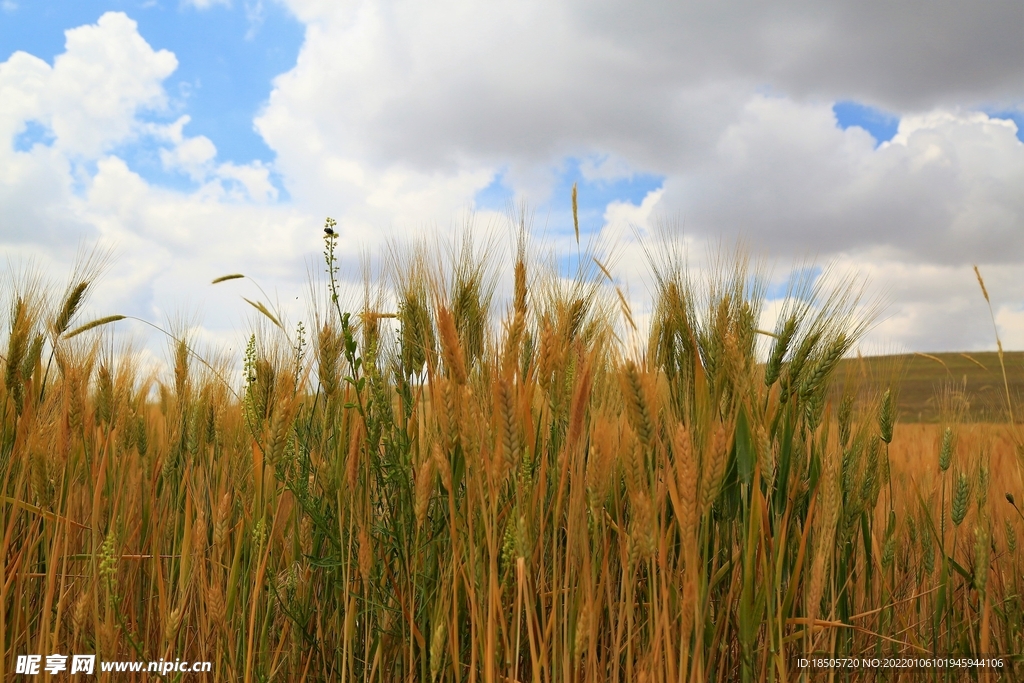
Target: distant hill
x: 922, y: 376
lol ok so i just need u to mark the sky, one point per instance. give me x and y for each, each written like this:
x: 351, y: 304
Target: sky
x: 195, y: 138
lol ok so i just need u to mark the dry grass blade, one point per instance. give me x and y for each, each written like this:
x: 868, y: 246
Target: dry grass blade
x: 934, y: 358
x: 974, y: 360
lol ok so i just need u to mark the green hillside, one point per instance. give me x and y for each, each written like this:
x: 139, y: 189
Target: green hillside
x: 922, y: 377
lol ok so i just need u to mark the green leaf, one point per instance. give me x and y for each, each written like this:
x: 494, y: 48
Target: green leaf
x: 969, y: 576
x: 746, y: 456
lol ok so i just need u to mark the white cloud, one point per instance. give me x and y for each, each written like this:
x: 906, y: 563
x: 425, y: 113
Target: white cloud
x: 1010, y: 322
x: 944, y: 190
x: 397, y: 114
x: 529, y: 82
x: 99, y: 94
x: 622, y: 217
x: 254, y: 178
x: 193, y: 156
x: 196, y: 157
x: 88, y: 101
x: 23, y: 82
x: 106, y: 76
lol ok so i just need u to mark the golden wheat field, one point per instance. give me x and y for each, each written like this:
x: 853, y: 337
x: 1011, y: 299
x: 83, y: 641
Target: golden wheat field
x: 467, y: 489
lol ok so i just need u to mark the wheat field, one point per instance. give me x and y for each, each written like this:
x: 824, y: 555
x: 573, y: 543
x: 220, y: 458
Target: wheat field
x: 457, y: 488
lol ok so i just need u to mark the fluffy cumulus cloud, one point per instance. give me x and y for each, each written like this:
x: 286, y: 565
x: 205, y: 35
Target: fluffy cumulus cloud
x: 91, y: 95
x: 434, y: 84
x: 86, y: 102
x: 945, y: 189
x: 731, y: 105
x: 397, y: 115
x: 65, y: 181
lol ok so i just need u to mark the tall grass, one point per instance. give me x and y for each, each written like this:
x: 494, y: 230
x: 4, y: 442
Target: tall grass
x: 422, y: 495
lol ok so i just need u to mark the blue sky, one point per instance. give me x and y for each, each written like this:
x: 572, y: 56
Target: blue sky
x: 593, y: 195
x: 394, y: 117
x: 882, y: 125
x: 1015, y: 115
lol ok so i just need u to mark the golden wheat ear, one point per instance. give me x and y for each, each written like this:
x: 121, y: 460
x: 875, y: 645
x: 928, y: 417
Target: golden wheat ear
x: 258, y: 305
x: 70, y: 307
x: 999, y: 344
x: 575, y: 214
x: 225, y: 278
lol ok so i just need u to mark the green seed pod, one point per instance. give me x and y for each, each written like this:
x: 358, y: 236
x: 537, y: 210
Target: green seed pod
x: 108, y: 559
x: 508, y: 546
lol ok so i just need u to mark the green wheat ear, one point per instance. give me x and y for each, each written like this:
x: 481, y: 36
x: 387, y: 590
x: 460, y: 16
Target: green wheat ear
x: 886, y: 416
x: 961, y: 499
x: 258, y: 305
x: 946, y: 452
x: 92, y: 324
x: 70, y: 307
